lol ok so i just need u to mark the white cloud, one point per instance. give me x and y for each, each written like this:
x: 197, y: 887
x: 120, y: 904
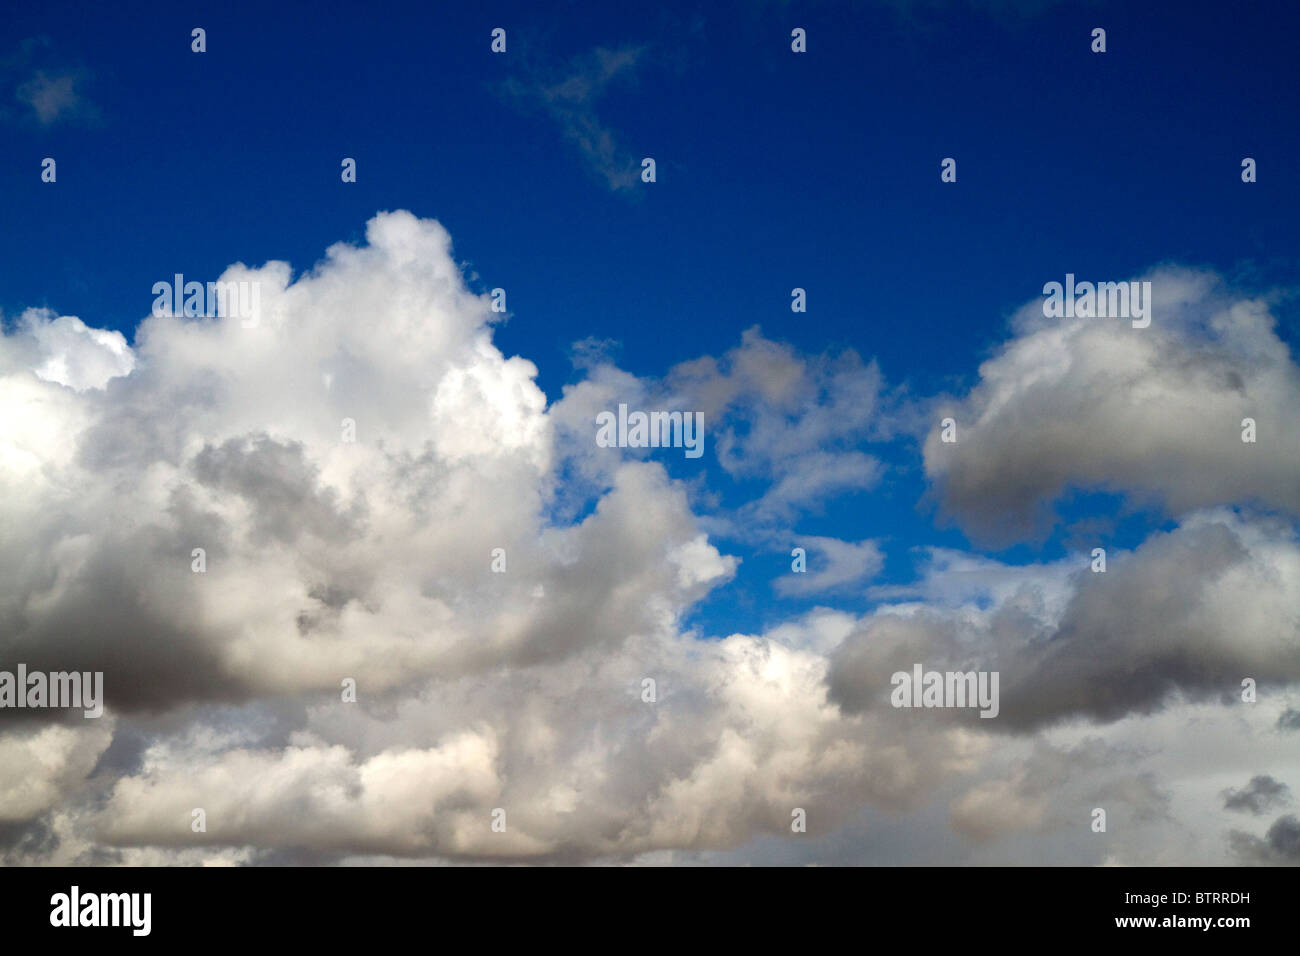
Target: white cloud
x: 834, y: 564
x: 1097, y: 404
x: 372, y: 560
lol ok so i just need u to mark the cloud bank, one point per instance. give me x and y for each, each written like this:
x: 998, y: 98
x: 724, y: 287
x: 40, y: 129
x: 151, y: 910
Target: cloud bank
x: 382, y: 497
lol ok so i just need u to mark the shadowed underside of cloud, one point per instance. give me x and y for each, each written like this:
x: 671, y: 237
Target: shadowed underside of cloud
x: 1190, y: 613
x: 1258, y: 796
x: 325, y: 558
x: 1279, y: 847
x: 1156, y: 413
x: 372, y: 559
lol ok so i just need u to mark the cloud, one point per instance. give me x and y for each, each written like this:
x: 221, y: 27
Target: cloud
x: 739, y: 735
x: 42, y: 764
x: 55, y: 97
x: 1279, y: 847
x: 1189, y: 614
x: 793, y: 425
x: 1263, y: 793
x: 527, y: 690
x: 569, y: 97
x: 49, y: 88
x: 1029, y: 798
x: 842, y: 563
x: 1154, y: 413
x: 64, y: 350
x: 324, y: 558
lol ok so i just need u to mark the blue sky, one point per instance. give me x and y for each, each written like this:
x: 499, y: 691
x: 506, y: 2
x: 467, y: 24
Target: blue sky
x: 775, y: 170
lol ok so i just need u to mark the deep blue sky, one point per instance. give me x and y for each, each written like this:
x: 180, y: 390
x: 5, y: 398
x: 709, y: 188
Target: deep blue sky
x: 775, y: 170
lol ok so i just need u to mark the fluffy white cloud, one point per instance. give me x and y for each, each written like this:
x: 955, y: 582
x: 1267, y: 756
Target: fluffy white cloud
x: 326, y: 558
x: 835, y: 565
x: 527, y: 690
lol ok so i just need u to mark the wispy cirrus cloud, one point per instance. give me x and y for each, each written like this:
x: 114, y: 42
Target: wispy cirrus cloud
x: 56, y: 97
x: 47, y: 88
x: 569, y: 96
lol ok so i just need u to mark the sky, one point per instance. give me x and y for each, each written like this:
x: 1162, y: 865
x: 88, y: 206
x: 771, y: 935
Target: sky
x: 130, y: 437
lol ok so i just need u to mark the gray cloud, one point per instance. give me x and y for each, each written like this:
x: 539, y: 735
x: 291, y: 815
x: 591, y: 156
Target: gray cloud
x: 1262, y: 794
x: 1056, y: 788
x: 1154, y: 413
x: 1279, y: 847
x: 1189, y: 614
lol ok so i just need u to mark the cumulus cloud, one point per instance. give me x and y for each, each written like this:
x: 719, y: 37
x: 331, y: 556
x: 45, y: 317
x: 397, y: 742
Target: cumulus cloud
x: 794, y: 425
x: 1096, y: 404
x: 515, y: 604
x: 1188, y: 615
x: 740, y: 734
x: 325, y: 558
x: 63, y: 349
